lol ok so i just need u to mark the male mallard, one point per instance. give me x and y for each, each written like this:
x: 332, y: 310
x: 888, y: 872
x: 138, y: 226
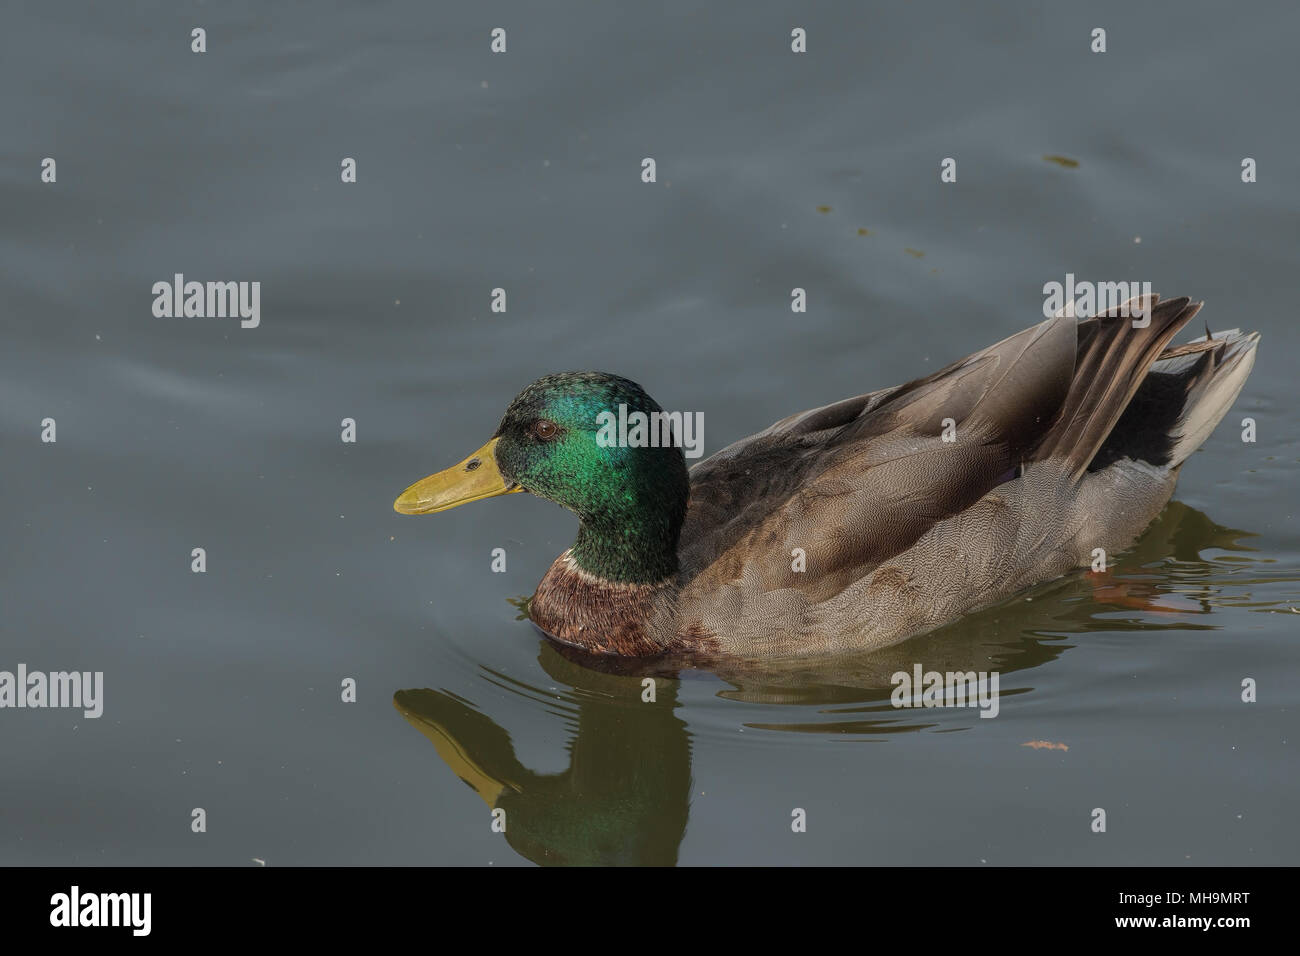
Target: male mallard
x: 861, y: 523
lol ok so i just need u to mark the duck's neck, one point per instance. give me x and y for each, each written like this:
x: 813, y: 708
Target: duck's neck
x: 612, y: 592
x: 637, y: 551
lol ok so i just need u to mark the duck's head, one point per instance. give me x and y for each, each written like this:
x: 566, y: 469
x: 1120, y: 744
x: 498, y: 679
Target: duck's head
x: 555, y: 442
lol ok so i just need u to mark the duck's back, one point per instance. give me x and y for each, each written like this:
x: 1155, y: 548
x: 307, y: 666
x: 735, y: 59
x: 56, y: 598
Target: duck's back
x: 864, y: 522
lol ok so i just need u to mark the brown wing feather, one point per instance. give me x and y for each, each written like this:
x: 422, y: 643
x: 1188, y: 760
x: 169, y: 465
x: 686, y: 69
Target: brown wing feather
x: 858, y: 481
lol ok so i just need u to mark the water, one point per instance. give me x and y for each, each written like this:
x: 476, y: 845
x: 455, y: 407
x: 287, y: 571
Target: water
x: 223, y: 689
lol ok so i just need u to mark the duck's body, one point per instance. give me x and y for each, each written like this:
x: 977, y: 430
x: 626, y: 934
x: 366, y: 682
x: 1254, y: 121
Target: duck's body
x: 865, y: 522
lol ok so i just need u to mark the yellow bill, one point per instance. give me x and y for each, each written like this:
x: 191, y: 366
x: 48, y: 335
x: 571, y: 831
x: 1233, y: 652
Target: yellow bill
x: 476, y: 477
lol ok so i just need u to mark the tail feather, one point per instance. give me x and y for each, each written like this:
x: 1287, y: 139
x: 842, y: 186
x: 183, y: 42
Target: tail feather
x: 1215, y: 378
x: 1112, y: 360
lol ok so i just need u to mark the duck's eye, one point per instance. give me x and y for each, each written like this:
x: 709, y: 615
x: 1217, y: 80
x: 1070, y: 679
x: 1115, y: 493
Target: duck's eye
x: 545, y: 429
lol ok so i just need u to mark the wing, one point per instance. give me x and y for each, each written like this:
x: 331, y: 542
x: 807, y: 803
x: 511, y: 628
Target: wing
x: 857, y: 482
x: 860, y: 480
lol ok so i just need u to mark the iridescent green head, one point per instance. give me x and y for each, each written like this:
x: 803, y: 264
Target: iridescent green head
x: 556, y: 441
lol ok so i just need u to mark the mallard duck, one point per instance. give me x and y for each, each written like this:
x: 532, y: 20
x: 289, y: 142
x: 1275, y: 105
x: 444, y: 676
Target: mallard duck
x: 862, y: 523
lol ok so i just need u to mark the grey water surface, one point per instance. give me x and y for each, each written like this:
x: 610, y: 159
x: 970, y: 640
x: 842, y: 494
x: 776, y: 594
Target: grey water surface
x: 522, y: 170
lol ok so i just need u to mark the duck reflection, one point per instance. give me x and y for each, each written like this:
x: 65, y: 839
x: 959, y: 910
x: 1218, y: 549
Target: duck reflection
x: 625, y: 796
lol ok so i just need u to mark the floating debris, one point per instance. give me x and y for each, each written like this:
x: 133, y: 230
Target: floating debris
x: 914, y: 252
x: 823, y: 209
x: 1044, y: 745
x: 1065, y: 161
